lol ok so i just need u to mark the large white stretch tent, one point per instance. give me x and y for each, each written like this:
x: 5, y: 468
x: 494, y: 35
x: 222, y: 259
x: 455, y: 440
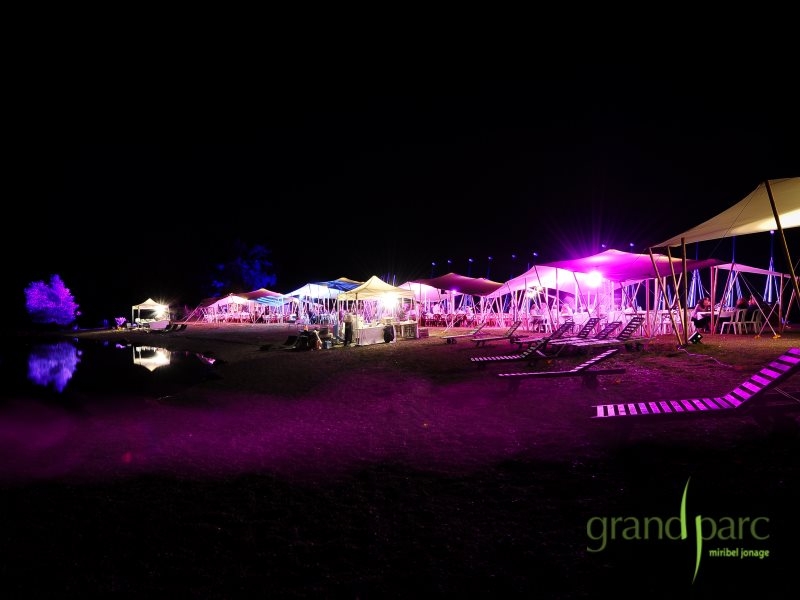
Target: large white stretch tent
x: 772, y: 206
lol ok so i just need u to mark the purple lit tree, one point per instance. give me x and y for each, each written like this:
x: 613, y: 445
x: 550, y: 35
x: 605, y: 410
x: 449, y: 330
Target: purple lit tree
x: 50, y: 303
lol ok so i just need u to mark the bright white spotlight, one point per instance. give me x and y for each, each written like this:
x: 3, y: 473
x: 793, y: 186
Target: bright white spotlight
x: 594, y: 279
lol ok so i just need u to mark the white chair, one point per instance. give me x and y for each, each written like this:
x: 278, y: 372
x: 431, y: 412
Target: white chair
x: 753, y: 324
x: 736, y: 324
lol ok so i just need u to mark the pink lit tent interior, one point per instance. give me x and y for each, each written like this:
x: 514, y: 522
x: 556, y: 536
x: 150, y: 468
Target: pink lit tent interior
x: 772, y: 206
x: 597, y: 285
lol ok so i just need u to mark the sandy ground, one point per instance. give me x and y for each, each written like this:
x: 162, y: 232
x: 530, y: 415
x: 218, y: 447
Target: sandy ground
x: 402, y: 469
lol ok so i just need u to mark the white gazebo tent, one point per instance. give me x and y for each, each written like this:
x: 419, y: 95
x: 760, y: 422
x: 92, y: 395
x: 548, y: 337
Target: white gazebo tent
x: 375, y: 297
x: 159, y: 310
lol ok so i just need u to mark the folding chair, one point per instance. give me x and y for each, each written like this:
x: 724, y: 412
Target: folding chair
x: 531, y: 351
x: 452, y: 339
x: 556, y: 335
x: 480, y: 341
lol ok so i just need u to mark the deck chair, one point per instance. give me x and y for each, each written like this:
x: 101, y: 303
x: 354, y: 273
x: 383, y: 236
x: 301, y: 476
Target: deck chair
x: 558, y: 334
x: 452, y: 339
x: 584, y: 370
x: 481, y: 341
x: 532, y: 351
x: 603, y: 334
x: 181, y: 327
x: 622, y: 337
x: 584, y: 331
x: 778, y: 370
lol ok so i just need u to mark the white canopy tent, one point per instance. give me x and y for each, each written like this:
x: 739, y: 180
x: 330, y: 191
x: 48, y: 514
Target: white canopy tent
x: 375, y: 288
x: 159, y: 310
x: 772, y: 206
x: 424, y: 293
x: 375, y: 297
x: 752, y: 214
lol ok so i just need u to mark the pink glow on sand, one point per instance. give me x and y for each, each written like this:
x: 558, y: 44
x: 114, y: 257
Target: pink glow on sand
x: 458, y: 429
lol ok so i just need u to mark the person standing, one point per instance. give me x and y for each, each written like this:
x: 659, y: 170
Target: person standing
x: 348, y: 328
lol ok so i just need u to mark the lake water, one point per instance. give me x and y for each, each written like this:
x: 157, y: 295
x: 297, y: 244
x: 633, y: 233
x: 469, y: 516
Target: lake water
x: 71, y: 370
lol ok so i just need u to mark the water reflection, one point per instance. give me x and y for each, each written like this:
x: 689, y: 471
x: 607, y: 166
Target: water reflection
x: 53, y: 364
x: 90, y: 369
x: 151, y: 357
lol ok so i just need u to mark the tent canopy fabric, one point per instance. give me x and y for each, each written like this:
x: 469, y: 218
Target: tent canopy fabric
x: 315, y: 291
x: 755, y: 270
x: 425, y: 293
x: 373, y: 289
x: 753, y: 214
x: 627, y: 267
x: 325, y: 289
x: 276, y: 301
x: 342, y: 284
x: 541, y: 276
x: 613, y: 265
x: 452, y: 282
x: 230, y: 299
x: 260, y: 293
x: 149, y: 304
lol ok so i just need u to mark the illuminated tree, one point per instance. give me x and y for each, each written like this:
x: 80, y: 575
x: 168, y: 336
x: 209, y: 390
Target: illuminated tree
x: 50, y: 303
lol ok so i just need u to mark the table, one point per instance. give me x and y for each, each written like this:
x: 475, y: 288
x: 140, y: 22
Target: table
x: 365, y: 336
x: 405, y: 330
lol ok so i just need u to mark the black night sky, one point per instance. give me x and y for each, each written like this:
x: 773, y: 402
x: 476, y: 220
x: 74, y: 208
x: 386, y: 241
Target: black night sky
x: 140, y: 191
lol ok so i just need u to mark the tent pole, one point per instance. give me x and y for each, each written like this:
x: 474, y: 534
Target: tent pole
x: 795, y: 281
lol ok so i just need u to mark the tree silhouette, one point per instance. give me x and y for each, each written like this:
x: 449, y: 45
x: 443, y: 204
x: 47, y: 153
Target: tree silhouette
x: 248, y: 269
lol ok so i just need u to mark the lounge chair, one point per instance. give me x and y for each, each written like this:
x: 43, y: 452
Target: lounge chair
x: 508, y: 335
x: 535, y: 350
x: 588, y: 375
x: 532, y: 351
x: 587, y: 328
x: 621, y: 338
x: 452, y: 339
x: 731, y: 403
x: 558, y: 334
x: 604, y: 333
x: 170, y: 327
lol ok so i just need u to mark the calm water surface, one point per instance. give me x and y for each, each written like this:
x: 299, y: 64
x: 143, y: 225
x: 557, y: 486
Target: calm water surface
x: 70, y: 370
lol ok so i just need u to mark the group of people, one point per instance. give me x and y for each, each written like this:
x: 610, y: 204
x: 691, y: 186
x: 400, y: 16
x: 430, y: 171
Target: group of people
x: 701, y: 315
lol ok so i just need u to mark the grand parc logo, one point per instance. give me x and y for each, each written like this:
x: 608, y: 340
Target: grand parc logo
x: 731, y: 537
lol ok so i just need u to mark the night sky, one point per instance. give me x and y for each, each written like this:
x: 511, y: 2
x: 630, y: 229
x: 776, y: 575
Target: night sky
x: 137, y: 193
